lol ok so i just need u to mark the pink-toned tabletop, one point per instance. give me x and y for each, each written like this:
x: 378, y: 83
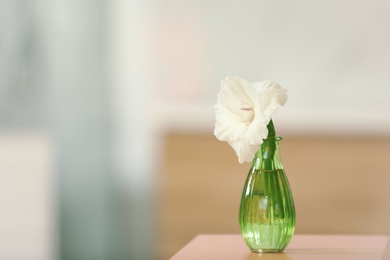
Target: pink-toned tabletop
x: 301, y: 247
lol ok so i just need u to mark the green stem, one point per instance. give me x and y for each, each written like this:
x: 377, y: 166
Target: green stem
x: 267, y: 149
x: 271, y: 129
x: 271, y: 136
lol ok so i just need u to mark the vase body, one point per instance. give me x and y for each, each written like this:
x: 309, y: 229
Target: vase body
x: 267, y: 211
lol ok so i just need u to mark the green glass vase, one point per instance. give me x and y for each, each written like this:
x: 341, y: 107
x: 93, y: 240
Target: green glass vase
x: 267, y: 211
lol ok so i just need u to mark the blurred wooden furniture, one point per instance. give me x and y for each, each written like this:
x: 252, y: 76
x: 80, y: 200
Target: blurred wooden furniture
x: 340, y: 185
x: 334, y: 247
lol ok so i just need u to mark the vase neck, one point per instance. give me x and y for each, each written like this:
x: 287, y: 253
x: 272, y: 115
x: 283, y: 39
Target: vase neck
x: 268, y: 156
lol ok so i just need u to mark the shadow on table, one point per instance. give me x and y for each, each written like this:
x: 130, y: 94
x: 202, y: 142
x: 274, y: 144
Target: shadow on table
x: 278, y: 256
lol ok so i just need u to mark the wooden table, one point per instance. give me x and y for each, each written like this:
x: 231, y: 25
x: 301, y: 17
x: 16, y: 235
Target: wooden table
x: 301, y: 247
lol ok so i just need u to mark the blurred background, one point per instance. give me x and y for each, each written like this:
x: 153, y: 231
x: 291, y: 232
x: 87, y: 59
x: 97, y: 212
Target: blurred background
x: 106, y: 120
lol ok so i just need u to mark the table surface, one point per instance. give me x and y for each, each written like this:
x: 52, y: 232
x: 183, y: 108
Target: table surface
x: 301, y: 247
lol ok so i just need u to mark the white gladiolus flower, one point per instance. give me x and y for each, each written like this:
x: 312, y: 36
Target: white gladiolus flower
x: 243, y: 112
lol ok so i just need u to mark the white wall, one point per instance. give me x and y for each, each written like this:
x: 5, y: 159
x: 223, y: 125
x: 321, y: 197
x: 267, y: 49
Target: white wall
x: 333, y: 56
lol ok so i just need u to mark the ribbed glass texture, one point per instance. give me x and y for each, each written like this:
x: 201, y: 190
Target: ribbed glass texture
x: 267, y: 211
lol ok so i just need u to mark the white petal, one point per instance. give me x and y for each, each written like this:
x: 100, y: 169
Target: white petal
x: 272, y: 96
x: 231, y: 121
x: 234, y: 91
x: 257, y: 130
x: 228, y: 126
x: 244, y: 151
